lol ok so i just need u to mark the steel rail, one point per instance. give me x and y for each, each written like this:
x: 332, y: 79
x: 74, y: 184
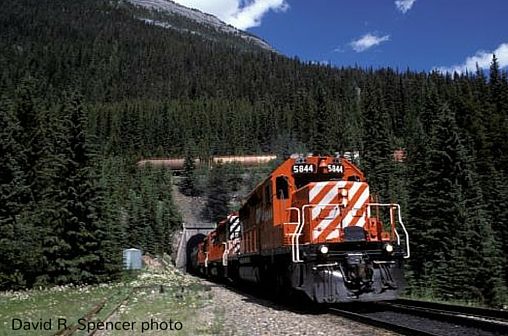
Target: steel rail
x: 70, y: 330
x: 450, y: 316
x: 401, y: 329
x: 113, y: 311
x: 475, y: 311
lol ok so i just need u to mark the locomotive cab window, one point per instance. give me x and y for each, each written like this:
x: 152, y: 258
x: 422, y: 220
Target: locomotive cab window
x: 303, y: 180
x: 221, y: 235
x: 282, y: 187
x: 354, y: 178
x: 244, y: 214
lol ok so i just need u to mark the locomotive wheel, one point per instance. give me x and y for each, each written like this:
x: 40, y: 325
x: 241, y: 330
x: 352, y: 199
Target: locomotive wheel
x: 281, y: 283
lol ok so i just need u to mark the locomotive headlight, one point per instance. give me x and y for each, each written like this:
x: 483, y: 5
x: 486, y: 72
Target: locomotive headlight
x: 323, y: 249
x: 388, y: 248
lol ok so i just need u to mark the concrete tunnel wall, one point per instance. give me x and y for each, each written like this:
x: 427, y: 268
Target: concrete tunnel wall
x: 191, y: 244
x: 190, y: 237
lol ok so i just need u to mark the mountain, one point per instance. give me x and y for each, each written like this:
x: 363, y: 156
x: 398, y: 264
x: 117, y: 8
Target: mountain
x: 171, y: 10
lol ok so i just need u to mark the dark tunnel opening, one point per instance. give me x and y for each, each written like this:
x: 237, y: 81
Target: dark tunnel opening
x: 190, y: 253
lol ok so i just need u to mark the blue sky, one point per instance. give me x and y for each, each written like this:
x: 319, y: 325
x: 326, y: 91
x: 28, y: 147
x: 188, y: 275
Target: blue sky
x: 419, y: 34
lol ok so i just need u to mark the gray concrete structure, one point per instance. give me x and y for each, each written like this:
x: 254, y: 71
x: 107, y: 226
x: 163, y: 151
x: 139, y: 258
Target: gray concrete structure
x: 189, y: 235
x: 132, y: 259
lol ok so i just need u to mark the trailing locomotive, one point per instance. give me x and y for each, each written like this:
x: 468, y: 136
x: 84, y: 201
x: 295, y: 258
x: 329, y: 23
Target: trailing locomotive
x: 311, y: 226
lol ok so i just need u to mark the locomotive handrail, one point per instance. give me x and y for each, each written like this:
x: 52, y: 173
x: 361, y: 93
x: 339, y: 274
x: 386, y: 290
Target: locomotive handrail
x: 294, y: 234
x: 295, y: 243
x: 225, y: 254
x: 391, y: 205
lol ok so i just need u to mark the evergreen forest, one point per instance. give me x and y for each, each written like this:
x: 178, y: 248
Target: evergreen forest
x: 87, y: 89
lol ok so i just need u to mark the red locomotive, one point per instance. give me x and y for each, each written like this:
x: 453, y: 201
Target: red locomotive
x: 312, y: 226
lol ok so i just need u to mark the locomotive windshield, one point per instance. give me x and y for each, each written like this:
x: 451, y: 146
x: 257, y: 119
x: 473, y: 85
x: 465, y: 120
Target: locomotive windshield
x: 303, y: 180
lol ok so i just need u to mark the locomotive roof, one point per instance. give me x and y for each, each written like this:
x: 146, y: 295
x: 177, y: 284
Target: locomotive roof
x: 293, y: 158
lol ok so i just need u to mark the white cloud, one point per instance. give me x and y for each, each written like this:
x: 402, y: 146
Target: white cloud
x: 368, y: 41
x: 241, y: 14
x: 324, y: 63
x: 404, y: 5
x: 482, y: 58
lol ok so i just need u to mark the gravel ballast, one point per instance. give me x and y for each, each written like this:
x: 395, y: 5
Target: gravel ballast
x: 243, y: 314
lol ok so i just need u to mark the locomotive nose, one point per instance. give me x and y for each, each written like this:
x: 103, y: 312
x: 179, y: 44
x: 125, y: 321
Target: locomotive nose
x: 332, y: 207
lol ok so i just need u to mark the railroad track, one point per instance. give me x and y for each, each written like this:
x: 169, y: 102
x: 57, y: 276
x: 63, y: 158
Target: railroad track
x: 410, y: 317
x: 467, y: 310
x: 87, y: 317
x: 381, y: 323
x: 91, y: 315
x: 112, y: 312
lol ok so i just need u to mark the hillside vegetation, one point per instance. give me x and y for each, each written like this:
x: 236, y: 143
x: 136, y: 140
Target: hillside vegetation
x: 87, y: 88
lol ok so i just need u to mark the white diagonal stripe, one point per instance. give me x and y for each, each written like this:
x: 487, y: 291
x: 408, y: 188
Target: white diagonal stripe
x: 326, y: 200
x: 333, y: 234
x: 334, y: 213
x: 316, y: 190
x: 353, y: 190
x: 351, y: 194
x: 234, y: 226
x: 323, y: 225
x: 361, y: 200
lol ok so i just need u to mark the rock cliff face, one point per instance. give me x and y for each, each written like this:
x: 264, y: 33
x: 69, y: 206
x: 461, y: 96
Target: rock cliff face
x: 208, y: 20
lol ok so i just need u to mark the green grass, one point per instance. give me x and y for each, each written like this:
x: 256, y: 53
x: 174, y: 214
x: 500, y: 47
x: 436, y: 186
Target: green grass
x: 431, y: 297
x: 154, y: 311
x: 154, y: 296
x: 65, y: 302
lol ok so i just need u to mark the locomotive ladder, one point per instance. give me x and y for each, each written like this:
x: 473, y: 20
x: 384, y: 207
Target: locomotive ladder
x: 295, y: 241
x: 407, y: 252
x: 295, y: 253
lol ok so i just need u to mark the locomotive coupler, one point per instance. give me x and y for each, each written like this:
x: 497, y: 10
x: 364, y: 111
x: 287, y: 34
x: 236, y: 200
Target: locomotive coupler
x: 357, y: 271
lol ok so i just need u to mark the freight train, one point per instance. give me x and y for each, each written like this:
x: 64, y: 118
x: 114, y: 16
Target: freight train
x: 312, y: 226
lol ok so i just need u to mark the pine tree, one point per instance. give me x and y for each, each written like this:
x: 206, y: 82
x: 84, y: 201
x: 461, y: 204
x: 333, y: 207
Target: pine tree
x: 33, y: 115
x: 321, y: 137
x: 35, y: 152
x: 79, y: 225
x: 12, y: 194
x: 212, y: 92
x: 377, y: 158
x: 217, y: 199
x: 166, y: 219
x: 435, y: 197
x: 421, y: 205
x: 353, y: 133
x: 135, y: 218
x: 497, y: 122
x: 485, y: 269
x: 188, y: 183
